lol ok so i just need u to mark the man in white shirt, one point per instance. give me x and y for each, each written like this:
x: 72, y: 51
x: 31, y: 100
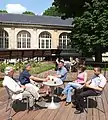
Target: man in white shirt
x: 92, y: 88
x: 18, y: 91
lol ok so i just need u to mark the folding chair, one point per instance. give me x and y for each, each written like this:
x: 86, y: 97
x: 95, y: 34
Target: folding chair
x: 96, y: 99
x: 11, y: 101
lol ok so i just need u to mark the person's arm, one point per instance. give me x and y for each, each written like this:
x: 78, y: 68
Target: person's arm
x: 95, y: 88
x: 88, y: 82
x: 13, y: 86
x: 38, y: 79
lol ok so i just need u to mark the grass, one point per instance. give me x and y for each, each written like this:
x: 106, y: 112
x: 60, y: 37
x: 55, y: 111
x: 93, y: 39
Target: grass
x: 42, y: 67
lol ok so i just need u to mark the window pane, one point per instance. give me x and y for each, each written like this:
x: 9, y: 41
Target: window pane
x: 6, y: 43
x: 19, y: 43
x: 1, y: 43
x: 42, y: 44
x: 28, y: 43
x: 23, y: 42
x: 4, y: 39
x: 47, y: 43
x: 64, y: 43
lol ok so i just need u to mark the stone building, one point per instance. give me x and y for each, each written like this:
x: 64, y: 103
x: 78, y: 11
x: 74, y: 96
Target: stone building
x: 33, y: 36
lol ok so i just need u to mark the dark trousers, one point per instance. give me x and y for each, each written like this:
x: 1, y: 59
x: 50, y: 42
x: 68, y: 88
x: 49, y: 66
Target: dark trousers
x: 80, y: 94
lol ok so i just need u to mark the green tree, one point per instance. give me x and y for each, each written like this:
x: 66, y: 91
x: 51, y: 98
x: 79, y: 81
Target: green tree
x: 52, y: 11
x: 70, y: 8
x: 3, y: 11
x: 90, y: 32
x: 28, y: 13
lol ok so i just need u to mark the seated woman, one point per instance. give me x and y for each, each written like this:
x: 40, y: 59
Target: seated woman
x: 81, y: 79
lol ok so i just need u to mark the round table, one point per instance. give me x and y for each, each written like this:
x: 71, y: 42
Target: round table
x: 53, y: 82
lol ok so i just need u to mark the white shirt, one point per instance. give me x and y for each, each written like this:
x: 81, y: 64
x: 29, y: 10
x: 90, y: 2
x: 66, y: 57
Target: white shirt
x: 99, y: 80
x: 14, y: 87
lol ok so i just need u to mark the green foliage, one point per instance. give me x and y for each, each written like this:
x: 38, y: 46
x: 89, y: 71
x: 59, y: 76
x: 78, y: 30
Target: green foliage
x: 70, y: 8
x: 28, y: 13
x: 2, y: 66
x: 41, y: 67
x: 3, y: 11
x: 90, y: 32
x: 90, y: 67
x: 52, y: 11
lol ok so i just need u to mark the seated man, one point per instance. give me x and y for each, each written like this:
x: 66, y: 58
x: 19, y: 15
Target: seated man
x: 61, y: 71
x: 92, y: 88
x: 27, y: 80
x: 18, y: 91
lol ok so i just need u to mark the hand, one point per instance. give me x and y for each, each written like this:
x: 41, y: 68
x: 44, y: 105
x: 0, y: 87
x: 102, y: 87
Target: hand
x: 45, y: 80
x: 87, y: 85
x: 48, y: 77
x: 23, y: 86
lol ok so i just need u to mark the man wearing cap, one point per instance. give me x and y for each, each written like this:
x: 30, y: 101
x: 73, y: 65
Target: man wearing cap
x: 19, y: 91
x: 27, y: 80
x: 61, y: 71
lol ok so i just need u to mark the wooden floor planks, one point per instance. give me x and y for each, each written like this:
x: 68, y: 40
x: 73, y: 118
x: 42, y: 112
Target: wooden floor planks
x: 62, y: 113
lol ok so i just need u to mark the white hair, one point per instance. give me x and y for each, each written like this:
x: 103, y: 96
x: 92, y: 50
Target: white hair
x: 8, y: 69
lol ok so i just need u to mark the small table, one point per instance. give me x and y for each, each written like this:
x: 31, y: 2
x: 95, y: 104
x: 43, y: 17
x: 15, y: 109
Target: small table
x: 53, y: 82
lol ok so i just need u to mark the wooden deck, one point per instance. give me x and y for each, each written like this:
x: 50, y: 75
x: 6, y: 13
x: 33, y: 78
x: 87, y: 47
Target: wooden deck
x: 62, y: 113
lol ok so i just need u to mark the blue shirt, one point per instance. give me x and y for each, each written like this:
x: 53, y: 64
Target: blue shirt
x: 63, y: 73
x: 24, y: 77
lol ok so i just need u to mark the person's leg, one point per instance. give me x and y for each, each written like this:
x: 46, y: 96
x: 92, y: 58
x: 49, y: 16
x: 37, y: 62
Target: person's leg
x: 80, y: 98
x: 65, y: 91
x: 68, y: 90
x: 69, y: 95
x: 75, y: 85
x: 87, y: 93
x: 33, y: 90
x: 31, y: 98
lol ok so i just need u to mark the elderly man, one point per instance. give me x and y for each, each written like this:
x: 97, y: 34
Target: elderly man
x: 28, y: 81
x: 19, y: 91
x: 92, y: 88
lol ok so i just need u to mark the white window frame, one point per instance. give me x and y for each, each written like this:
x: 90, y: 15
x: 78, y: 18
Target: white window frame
x: 44, y: 39
x: 4, y: 39
x: 61, y: 38
x: 20, y: 38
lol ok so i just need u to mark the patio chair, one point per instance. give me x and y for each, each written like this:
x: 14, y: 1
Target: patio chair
x: 11, y: 101
x: 96, y: 99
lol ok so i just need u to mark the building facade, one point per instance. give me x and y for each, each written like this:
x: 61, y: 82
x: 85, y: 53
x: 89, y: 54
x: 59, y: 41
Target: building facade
x: 25, y: 33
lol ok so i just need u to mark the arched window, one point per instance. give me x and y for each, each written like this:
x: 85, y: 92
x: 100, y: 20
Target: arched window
x: 4, y: 39
x: 45, y: 40
x: 64, y: 40
x: 23, y: 39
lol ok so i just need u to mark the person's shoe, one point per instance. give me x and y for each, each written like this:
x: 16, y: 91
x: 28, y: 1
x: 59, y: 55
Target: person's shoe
x: 73, y: 106
x: 78, y: 111
x: 61, y: 95
x: 67, y: 103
